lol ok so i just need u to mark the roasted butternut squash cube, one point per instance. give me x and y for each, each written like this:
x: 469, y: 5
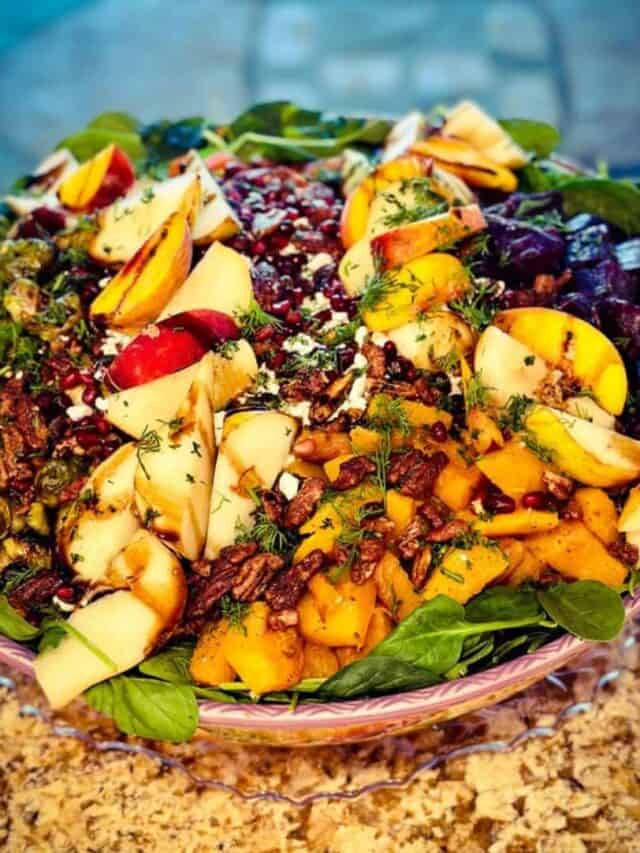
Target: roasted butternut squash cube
x: 574, y: 552
x: 264, y: 659
x: 483, y: 432
x: 521, y: 522
x: 305, y: 469
x: 337, y: 615
x: 208, y: 663
x: 514, y: 469
x: 319, y: 661
x: 401, y: 509
x: 332, y: 466
x: 456, y: 485
x: 395, y: 590
x: 598, y: 513
x: 524, y: 565
x: 380, y: 626
x: 464, y: 573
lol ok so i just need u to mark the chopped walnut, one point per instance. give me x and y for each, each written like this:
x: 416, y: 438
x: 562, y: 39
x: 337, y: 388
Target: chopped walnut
x: 377, y: 363
x: 353, y: 472
x: 303, y: 505
x: 558, y: 485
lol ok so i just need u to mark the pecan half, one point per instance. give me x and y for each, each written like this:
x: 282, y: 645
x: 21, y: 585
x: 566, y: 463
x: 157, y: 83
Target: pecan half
x: 289, y: 586
x: 303, y: 505
x: 370, y: 552
x: 558, y: 485
x: 449, y: 531
x: 420, y: 568
x: 274, y: 504
x: 434, y: 511
x: 412, y: 540
x: 207, y: 589
x: 377, y: 363
x: 383, y: 526
x: 352, y: 473
x: 254, y: 575
x: 415, y: 473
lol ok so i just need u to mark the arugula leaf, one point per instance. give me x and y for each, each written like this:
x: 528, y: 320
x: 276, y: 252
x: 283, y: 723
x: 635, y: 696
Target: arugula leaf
x: 119, y: 128
x: 588, y: 609
x: 504, y: 603
x: 146, y: 707
x: 536, y: 136
x: 617, y: 202
x: 12, y: 624
x: 373, y: 676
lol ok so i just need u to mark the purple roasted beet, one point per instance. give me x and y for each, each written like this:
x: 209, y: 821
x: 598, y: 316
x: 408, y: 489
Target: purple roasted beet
x: 605, y: 279
x: 520, y: 252
x: 621, y: 321
x: 580, y: 305
x: 589, y: 246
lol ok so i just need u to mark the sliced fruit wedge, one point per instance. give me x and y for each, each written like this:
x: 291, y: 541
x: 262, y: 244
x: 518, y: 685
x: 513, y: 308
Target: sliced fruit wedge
x: 215, y: 219
x: 467, y: 121
x: 118, y: 630
x: 126, y: 224
x: 220, y: 281
x: 101, y: 521
x: 464, y: 160
x: 99, y: 181
x: 141, y: 289
x: 404, y: 133
x: 44, y: 182
x: 433, y: 339
x: 146, y: 406
x: 175, y: 469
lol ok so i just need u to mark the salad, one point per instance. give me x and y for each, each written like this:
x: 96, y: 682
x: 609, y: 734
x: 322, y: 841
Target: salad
x: 305, y: 407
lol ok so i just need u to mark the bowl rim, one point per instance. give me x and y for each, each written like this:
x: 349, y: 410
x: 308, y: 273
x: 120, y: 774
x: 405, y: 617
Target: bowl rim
x: 412, y: 704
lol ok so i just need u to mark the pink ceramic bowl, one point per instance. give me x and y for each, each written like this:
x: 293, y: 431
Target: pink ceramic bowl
x: 366, y: 719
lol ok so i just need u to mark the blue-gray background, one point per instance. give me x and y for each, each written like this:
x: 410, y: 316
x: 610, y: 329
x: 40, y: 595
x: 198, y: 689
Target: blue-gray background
x: 572, y: 62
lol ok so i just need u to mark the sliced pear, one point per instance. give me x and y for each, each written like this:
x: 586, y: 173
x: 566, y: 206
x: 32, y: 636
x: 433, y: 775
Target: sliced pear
x: 173, y: 481
x: 508, y: 367
x: 146, y: 406
x: 254, y: 450
x: 215, y: 219
x: 404, y: 133
x: 432, y: 338
x: 586, y: 451
x: 123, y: 626
x: 356, y: 266
x: 129, y: 222
x: 94, y: 530
x: 220, y: 281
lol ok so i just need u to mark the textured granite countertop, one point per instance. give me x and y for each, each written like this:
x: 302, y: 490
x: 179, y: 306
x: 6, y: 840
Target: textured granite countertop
x: 576, y: 791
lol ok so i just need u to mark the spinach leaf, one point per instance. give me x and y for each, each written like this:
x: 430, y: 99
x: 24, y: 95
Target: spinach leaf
x: 167, y: 139
x: 617, y: 202
x: 146, y: 707
x: 119, y: 128
x: 536, y: 136
x: 171, y: 664
x: 373, y: 676
x: 504, y: 602
x: 12, y: 624
x: 588, y: 609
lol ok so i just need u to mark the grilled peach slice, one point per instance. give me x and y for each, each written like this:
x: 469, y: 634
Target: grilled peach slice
x: 43, y: 183
x: 141, y: 289
x: 572, y: 346
x: 465, y: 161
x: 99, y: 181
x: 467, y: 121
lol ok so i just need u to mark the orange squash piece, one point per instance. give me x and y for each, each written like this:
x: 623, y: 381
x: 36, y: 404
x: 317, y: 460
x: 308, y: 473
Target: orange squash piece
x: 574, y: 552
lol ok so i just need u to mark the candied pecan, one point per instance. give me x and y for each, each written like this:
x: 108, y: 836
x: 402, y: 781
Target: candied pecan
x: 559, y: 486
x: 420, y: 568
x: 377, y: 363
x: 394, y: 389
x: 207, y: 589
x: 36, y: 591
x: 434, y: 511
x: 340, y: 386
x: 426, y: 393
x: 353, y: 472
x: 340, y: 424
x: 415, y: 473
x: 370, y: 552
x: 412, y: 539
x: 449, y: 531
x: 287, y: 588
x: 321, y: 410
x: 274, y: 504
x: 383, y: 526
x: 303, y: 505
x: 280, y: 620
x: 254, y: 575
x: 625, y: 552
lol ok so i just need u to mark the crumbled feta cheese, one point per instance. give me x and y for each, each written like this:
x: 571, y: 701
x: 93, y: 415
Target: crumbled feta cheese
x: 361, y: 335
x: 360, y: 362
x: 77, y: 413
x: 299, y: 410
x: 114, y: 342
x: 317, y: 302
x: 289, y: 249
x: 301, y: 344
x: 289, y: 485
x: 379, y: 339
x: 338, y: 318
x: 357, y: 397
x: 456, y: 383
x: 218, y: 424
x: 267, y: 381
x: 104, y: 281
x: 101, y: 404
x: 317, y: 261
x: 65, y: 606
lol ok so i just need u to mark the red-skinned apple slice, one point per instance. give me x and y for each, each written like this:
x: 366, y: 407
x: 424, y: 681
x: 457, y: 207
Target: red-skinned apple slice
x: 170, y: 345
x: 99, y: 181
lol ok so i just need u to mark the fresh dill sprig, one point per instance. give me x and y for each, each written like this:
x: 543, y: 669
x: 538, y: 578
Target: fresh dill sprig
x: 378, y: 287
x: 477, y: 393
x: 149, y: 442
x: 253, y: 319
x: 426, y: 203
x: 532, y: 443
x: 234, y: 612
x: 514, y: 412
x: 476, y: 307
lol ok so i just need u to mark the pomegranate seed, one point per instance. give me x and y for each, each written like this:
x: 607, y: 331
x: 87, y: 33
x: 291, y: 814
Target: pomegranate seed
x: 264, y: 334
x: 282, y: 308
x: 390, y: 350
x: 497, y: 502
x: 259, y: 247
x: 293, y: 318
x: 102, y: 425
x: 276, y: 361
x: 87, y: 438
x: 534, y: 500
x: 71, y: 380
x: 66, y: 593
x: 89, y: 395
x: 439, y: 431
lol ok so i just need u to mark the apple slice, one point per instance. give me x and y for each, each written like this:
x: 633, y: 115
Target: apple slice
x: 220, y: 281
x: 175, y: 469
x: 129, y: 222
x: 255, y: 448
x: 140, y: 290
x: 508, y: 367
x: 99, y: 181
x: 465, y: 161
x: 144, y: 406
x: 573, y: 346
x: 171, y: 345
x: 404, y: 133
x: 43, y: 183
x: 587, y: 452
x: 406, y: 242
x: 123, y: 626
x: 215, y: 219
x: 92, y: 531
x: 432, y: 338
x: 467, y: 121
